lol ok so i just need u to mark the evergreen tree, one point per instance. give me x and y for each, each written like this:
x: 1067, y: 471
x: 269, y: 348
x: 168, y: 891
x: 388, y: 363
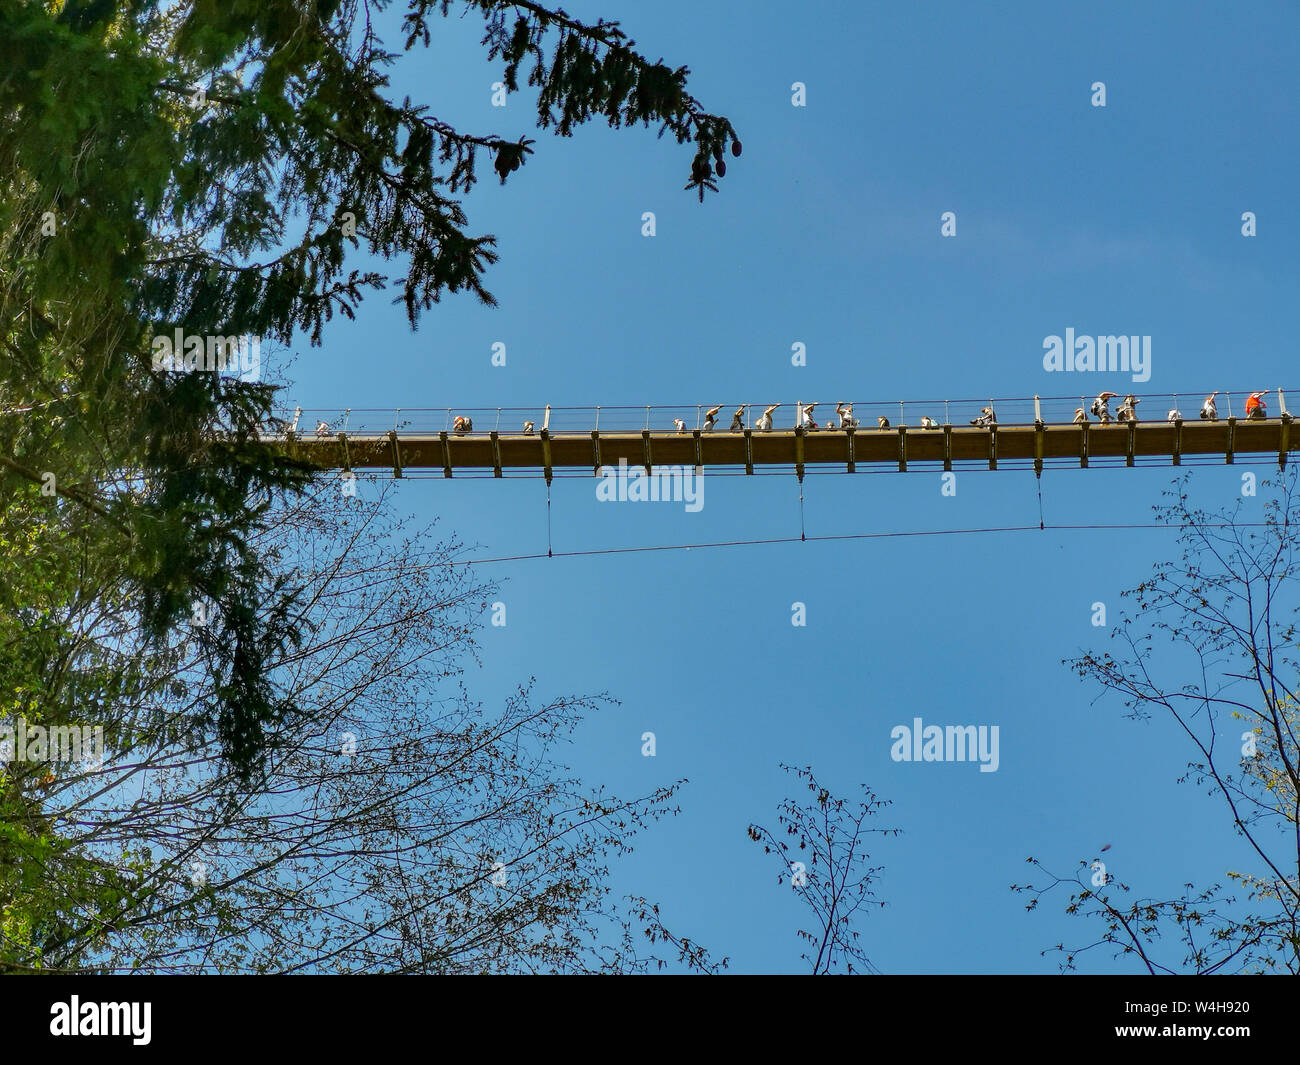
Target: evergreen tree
x: 215, y: 168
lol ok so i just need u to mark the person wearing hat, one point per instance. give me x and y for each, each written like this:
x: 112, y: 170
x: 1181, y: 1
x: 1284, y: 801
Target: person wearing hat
x: 1100, y: 410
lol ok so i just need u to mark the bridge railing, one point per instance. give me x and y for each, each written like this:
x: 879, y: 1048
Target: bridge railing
x: 668, y: 418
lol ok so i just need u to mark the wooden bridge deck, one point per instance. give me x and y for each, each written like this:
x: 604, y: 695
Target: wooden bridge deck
x: 898, y: 447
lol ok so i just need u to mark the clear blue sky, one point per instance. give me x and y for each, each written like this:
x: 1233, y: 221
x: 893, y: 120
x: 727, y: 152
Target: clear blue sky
x: 1121, y: 220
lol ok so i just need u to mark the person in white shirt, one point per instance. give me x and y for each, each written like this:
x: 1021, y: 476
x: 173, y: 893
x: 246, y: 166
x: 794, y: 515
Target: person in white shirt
x: 1101, y: 408
x: 1128, y: 412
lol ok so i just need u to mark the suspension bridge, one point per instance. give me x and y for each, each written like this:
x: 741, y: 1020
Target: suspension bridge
x: 1034, y: 432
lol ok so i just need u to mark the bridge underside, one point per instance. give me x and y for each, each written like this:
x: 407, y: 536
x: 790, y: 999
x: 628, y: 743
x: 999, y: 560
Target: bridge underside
x: 898, y: 447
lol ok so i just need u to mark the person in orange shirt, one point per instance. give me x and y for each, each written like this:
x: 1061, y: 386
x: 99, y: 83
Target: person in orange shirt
x: 1255, y: 409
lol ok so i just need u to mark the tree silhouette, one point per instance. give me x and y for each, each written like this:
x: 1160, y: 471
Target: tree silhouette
x: 822, y: 849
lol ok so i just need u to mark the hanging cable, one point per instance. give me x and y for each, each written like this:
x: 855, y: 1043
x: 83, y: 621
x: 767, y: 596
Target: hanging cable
x: 548, y: 519
x: 801, y: 528
x: 1039, y: 479
x: 857, y: 536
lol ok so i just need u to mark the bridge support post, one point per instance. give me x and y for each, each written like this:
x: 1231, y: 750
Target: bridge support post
x: 902, y: 449
x: 496, y: 453
x: 1038, y: 437
x: 1178, y: 442
x: 1232, y: 441
x: 798, y: 451
x: 947, y: 446
x: 852, y: 465
x: 546, y: 448
x: 397, y: 454
x: 1083, y: 446
x: 595, y: 449
x: 749, y: 450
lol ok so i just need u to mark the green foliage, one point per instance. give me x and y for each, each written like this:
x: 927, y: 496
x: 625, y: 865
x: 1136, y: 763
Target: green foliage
x: 219, y: 214
x: 188, y: 166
